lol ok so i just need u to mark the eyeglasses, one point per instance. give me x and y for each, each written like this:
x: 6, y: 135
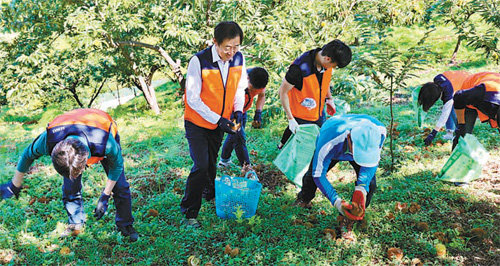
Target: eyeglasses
x: 229, y: 48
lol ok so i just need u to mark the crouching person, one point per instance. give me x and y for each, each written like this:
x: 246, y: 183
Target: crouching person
x: 75, y: 140
x: 357, y: 139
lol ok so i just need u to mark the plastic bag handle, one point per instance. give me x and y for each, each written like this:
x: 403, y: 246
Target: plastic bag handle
x: 254, y: 175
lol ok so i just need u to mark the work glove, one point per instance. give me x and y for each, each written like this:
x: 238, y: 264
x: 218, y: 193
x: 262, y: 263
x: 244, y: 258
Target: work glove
x: 341, y: 206
x: 237, y: 117
x: 430, y: 137
x: 293, y: 125
x: 257, y: 119
x: 330, y: 107
x: 226, y: 125
x: 102, y: 206
x: 357, y: 210
x: 8, y: 190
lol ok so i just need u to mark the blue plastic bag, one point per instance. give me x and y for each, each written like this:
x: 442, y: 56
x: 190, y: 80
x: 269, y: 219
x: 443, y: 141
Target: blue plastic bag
x: 232, y: 193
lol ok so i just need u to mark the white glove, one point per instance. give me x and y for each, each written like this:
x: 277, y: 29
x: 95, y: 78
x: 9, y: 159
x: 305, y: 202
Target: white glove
x: 330, y: 107
x: 293, y: 125
x: 338, y: 205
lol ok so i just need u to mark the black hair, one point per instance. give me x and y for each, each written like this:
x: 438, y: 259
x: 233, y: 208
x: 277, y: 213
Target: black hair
x: 258, y: 77
x: 428, y: 95
x: 69, y: 157
x: 338, y: 51
x: 227, y: 30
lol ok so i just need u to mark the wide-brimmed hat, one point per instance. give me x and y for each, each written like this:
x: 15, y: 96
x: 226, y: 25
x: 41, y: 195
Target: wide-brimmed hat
x: 365, y: 137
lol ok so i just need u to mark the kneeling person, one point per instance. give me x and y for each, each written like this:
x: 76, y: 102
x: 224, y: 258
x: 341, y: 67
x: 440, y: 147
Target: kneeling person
x: 75, y: 140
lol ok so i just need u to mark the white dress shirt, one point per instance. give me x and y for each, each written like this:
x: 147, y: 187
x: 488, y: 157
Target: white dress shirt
x: 193, y: 87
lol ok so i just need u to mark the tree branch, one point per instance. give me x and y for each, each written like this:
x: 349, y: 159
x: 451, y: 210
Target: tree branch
x: 95, y: 94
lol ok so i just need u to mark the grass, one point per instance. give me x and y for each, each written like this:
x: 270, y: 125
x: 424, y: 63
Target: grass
x: 157, y: 163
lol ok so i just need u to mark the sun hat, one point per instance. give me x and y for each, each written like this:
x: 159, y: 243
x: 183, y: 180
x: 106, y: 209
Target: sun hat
x: 365, y: 137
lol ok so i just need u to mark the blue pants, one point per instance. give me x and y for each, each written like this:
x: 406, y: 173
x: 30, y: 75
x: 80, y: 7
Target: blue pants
x: 451, y: 123
x: 237, y: 142
x: 204, y: 147
x: 73, y: 202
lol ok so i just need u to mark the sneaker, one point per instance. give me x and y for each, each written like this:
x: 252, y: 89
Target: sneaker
x: 449, y: 135
x: 461, y: 184
x: 346, y: 232
x: 72, y: 230
x: 223, y: 163
x: 302, y: 204
x: 191, y: 223
x: 129, y: 231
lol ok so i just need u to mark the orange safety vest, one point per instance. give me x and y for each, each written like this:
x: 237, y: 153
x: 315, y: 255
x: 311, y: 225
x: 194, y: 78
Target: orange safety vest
x: 249, y: 95
x: 456, y: 78
x: 308, y: 103
x: 219, y: 98
x: 491, y: 82
x: 92, y: 124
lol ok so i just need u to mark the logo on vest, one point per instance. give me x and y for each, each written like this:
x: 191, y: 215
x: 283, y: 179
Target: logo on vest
x: 57, y: 129
x: 309, y: 103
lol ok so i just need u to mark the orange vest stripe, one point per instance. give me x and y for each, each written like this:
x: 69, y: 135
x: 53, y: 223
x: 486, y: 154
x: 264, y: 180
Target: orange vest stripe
x: 456, y: 78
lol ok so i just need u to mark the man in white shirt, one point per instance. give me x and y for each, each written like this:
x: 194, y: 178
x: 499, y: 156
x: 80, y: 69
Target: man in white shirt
x: 215, y: 89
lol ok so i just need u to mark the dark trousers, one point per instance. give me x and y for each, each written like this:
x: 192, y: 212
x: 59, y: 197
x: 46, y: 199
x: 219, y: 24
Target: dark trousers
x: 475, y: 97
x: 204, y: 146
x: 308, y: 190
x: 237, y: 142
x: 287, y: 133
x: 73, y: 202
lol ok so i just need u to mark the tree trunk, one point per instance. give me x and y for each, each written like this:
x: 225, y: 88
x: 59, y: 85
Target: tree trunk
x: 147, y: 91
x: 455, y: 52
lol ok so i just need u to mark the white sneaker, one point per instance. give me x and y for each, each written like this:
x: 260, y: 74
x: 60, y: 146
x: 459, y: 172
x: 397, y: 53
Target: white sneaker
x: 449, y: 135
x: 224, y: 163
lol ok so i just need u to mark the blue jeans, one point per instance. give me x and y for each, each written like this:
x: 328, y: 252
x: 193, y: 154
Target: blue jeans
x: 451, y: 123
x: 73, y: 202
x: 237, y: 142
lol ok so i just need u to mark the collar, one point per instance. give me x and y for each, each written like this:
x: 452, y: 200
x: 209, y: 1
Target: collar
x: 215, y: 55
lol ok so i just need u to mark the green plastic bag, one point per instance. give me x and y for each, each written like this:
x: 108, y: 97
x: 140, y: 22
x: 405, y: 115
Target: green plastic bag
x: 295, y: 157
x: 466, y: 162
x: 418, y: 110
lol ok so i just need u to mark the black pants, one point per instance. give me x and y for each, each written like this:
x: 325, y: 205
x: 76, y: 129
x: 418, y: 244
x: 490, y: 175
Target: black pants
x: 204, y: 146
x: 309, y: 187
x: 475, y: 97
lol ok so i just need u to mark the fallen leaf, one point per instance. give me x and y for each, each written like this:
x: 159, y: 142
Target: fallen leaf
x: 440, y: 250
x: 152, y: 213
x: 234, y: 252
x: 193, y: 261
x: 416, y: 262
x: 330, y: 234
x: 477, y: 233
x: 390, y: 216
x: 395, y: 253
x: 227, y: 249
x: 423, y: 226
x: 43, y: 200
x: 64, y: 251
